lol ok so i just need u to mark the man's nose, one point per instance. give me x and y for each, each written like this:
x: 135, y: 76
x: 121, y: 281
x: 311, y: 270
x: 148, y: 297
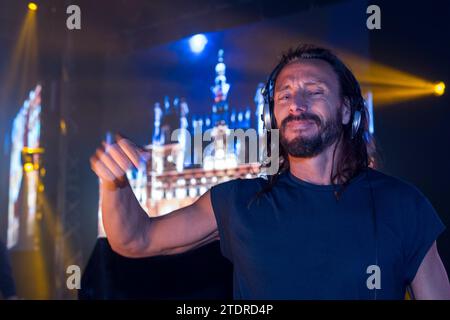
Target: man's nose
x: 298, y: 105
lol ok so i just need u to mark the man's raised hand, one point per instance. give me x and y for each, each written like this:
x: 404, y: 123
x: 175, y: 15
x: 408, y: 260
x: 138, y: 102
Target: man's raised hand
x: 111, y: 161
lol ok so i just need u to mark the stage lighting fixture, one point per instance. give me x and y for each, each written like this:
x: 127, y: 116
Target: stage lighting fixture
x: 32, y: 6
x: 28, y: 166
x: 31, y: 158
x: 198, y: 43
x: 439, y: 88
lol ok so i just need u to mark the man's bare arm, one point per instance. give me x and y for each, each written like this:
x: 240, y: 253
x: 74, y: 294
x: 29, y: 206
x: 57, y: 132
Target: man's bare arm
x: 431, y: 280
x: 130, y: 231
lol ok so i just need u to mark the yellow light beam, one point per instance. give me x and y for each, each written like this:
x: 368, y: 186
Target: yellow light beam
x: 389, y: 95
x: 390, y: 85
x: 24, y: 57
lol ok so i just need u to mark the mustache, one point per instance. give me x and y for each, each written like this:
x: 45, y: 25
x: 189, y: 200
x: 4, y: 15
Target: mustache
x: 302, y: 116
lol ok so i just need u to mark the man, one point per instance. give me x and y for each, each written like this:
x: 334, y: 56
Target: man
x: 326, y: 226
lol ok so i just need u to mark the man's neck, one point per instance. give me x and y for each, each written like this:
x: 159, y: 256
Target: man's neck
x: 316, y: 170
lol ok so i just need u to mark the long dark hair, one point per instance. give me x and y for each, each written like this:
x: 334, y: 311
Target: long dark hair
x: 357, y: 153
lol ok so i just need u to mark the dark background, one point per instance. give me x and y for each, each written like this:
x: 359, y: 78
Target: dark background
x: 107, y: 76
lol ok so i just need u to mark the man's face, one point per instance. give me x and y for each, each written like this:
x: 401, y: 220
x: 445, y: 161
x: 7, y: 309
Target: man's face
x: 308, y: 108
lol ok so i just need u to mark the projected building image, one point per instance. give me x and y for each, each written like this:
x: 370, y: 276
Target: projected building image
x: 177, y: 172
x: 24, y: 173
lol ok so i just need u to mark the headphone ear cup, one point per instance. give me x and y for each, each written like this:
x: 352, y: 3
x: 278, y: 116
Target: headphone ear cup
x: 268, y: 93
x: 266, y: 116
x: 356, y: 123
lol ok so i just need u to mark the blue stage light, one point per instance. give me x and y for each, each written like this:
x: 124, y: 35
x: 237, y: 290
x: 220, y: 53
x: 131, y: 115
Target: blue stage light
x: 198, y: 43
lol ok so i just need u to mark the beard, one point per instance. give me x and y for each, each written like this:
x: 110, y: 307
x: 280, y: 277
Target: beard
x: 303, y: 146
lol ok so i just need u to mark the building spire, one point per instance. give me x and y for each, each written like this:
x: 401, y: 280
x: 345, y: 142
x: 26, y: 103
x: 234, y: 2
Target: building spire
x: 220, y: 91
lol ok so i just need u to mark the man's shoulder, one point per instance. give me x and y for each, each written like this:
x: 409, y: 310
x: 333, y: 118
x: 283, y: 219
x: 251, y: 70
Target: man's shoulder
x: 229, y: 198
x: 393, y: 185
x: 241, y: 184
x: 402, y: 203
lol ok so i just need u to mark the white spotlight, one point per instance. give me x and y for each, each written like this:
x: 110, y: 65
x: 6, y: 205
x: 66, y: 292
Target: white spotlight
x: 198, y: 43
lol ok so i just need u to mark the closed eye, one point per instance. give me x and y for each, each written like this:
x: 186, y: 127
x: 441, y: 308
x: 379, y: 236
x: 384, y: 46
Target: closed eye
x: 284, y: 97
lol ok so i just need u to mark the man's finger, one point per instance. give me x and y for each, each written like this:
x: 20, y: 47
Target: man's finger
x: 120, y: 157
x: 112, y: 166
x: 101, y: 170
x: 131, y: 150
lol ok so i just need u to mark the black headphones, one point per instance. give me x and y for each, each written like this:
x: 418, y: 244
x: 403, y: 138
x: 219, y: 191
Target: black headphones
x: 268, y: 91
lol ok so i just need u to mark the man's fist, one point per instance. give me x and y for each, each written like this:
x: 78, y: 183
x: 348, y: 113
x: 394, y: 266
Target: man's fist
x: 111, y: 162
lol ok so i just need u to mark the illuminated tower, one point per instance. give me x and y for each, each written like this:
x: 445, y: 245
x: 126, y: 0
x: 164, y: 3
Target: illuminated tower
x: 168, y: 154
x: 220, y: 92
x: 183, y: 136
x: 220, y: 153
x: 157, y: 123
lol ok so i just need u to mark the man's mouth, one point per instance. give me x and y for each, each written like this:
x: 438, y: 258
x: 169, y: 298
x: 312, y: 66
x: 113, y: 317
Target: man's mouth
x: 300, y: 124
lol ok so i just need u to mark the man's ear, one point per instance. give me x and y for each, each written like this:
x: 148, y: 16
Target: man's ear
x: 346, y: 111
